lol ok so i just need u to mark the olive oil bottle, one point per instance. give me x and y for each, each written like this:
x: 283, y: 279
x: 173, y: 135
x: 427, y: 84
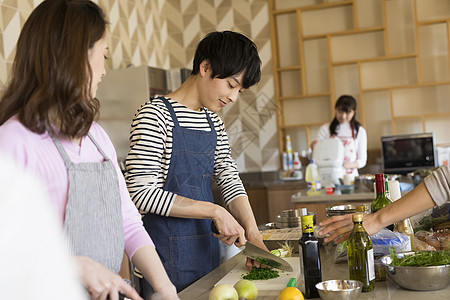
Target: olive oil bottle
x: 360, y: 257
x: 309, y: 258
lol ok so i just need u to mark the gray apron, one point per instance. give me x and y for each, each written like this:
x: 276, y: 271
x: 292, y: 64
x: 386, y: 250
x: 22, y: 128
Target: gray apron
x: 93, y: 221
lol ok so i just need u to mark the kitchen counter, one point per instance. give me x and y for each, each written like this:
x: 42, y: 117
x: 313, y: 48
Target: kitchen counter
x: 200, y: 289
x: 319, y: 203
x: 302, y: 197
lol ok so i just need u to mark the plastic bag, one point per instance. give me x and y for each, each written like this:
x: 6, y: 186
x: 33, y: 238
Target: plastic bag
x: 386, y: 239
x: 340, y: 253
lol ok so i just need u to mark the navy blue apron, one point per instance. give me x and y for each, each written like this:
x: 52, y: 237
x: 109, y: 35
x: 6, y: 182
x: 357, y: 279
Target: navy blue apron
x: 187, y: 247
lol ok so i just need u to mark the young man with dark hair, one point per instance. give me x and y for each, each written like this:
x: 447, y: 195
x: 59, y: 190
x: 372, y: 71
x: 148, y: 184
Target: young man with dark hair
x: 178, y: 146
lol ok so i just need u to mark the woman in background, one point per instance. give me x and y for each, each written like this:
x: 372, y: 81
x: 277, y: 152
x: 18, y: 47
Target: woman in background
x: 47, y: 126
x: 353, y: 136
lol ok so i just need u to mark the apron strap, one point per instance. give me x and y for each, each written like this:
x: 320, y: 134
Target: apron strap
x: 63, y: 152
x: 175, y: 119
x: 60, y: 148
x: 105, y: 157
x: 211, y: 124
x: 171, y: 111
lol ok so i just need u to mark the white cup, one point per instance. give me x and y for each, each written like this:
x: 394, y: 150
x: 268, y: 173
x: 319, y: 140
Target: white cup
x: 349, y: 179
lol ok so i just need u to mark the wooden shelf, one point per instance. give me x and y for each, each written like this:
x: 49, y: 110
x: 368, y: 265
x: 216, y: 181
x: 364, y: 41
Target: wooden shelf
x: 374, y: 59
x: 302, y: 125
x: 397, y: 44
x: 342, y: 33
x: 310, y: 7
x: 409, y: 86
x: 297, y: 97
x: 431, y: 22
x: 289, y: 68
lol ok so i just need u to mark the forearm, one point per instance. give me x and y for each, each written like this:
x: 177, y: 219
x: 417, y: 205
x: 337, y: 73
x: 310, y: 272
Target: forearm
x: 146, y: 259
x: 416, y: 201
x: 240, y: 208
x: 188, y: 208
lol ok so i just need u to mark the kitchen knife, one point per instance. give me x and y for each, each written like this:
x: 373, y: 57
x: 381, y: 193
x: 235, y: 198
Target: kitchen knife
x: 266, y: 258
x: 261, y: 255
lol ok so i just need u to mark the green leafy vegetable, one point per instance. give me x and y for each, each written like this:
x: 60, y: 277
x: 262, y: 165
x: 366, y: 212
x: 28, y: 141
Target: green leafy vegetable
x: 261, y: 274
x: 263, y: 261
x: 421, y: 259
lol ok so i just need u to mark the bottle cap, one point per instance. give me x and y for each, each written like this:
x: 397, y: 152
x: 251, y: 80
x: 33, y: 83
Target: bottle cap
x: 358, y: 217
x: 292, y: 282
x: 307, y: 223
x: 361, y: 208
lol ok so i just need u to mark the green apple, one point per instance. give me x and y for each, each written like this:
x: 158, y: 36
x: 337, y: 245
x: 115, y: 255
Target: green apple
x: 223, y: 292
x: 246, y: 289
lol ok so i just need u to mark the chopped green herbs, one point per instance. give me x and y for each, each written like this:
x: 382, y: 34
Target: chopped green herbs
x: 263, y: 261
x: 261, y: 274
x: 421, y: 259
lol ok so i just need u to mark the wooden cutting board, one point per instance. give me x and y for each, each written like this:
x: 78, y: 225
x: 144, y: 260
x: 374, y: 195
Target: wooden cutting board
x: 276, y: 284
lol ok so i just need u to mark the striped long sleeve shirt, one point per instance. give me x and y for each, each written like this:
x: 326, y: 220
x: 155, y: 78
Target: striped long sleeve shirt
x: 148, y: 161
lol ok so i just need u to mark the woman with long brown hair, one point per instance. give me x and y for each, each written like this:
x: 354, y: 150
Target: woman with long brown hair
x: 47, y: 126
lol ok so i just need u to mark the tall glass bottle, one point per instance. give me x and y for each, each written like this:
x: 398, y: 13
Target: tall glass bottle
x: 386, y: 187
x: 309, y: 258
x: 381, y: 200
x: 360, y: 257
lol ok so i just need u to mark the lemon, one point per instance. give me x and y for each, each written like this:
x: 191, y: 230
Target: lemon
x: 290, y: 293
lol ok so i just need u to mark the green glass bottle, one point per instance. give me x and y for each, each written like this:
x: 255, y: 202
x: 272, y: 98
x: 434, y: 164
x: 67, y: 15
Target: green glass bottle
x: 360, y: 257
x: 381, y: 200
x: 309, y: 258
x: 386, y: 187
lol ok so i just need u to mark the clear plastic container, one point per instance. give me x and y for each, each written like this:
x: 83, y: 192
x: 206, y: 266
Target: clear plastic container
x: 312, y: 179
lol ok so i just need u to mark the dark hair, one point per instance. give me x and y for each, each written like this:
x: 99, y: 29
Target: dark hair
x: 229, y: 53
x: 345, y: 103
x: 51, y: 75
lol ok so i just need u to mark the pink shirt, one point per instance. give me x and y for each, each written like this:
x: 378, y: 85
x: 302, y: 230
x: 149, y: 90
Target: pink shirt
x: 39, y: 154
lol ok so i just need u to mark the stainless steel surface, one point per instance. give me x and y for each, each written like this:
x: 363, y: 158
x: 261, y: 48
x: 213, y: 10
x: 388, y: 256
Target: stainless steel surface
x: 339, y: 289
x: 385, y: 290
x: 298, y: 212
x: 344, y: 209
x: 286, y: 219
x: 368, y: 180
x: 417, y: 278
x: 261, y: 255
x: 302, y: 198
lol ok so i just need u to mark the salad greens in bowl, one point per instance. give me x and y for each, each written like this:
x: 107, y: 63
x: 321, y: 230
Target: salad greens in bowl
x: 405, y: 268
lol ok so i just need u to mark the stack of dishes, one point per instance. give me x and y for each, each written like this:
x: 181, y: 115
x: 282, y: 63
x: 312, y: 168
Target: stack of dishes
x: 291, y: 218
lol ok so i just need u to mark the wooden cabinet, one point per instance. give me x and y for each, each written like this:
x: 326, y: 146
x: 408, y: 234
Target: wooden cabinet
x: 279, y: 198
x: 258, y: 201
x: 391, y: 55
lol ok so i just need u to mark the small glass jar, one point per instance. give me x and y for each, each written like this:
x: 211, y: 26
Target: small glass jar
x: 380, y: 271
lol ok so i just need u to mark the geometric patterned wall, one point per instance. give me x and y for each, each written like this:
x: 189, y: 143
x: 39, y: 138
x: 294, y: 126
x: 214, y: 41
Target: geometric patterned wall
x: 164, y: 34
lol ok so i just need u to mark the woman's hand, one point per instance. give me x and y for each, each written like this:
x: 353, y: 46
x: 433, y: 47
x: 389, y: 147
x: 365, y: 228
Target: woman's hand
x: 101, y: 282
x: 228, y: 227
x: 338, y: 228
x: 350, y: 165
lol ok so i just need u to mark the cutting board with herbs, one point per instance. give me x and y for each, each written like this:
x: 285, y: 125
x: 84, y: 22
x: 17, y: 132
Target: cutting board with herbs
x: 271, y: 284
